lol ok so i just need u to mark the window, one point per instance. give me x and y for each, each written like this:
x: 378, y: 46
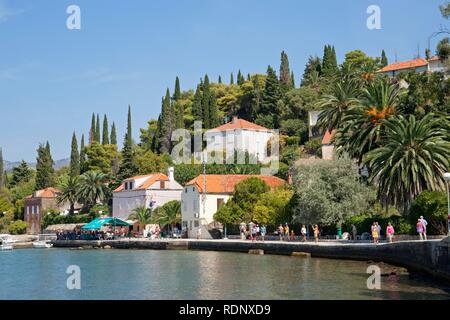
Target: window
x: 193, y: 189
x: 37, y: 209
x: 32, y: 209
x: 196, y: 224
x: 28, y: 210
x: 220, y: 203
x: 190, y: 225
x: 185, y: 190
x: 162, y: 184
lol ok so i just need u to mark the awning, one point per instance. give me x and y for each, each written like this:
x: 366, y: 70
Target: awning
x: 100, y: 222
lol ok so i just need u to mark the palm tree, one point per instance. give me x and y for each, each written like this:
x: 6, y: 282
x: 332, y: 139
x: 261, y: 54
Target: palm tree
x: 69, y: 192
x: 342, y: 97
x: 168, y: 215
x: 363, y: 123
x: 412, y: 158
x: 142, y: 214
x: 93, y: 188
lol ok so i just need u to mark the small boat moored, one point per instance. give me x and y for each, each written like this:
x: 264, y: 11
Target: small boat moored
x: 43, y: 242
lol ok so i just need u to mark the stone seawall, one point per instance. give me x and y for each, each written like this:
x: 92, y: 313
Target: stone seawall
x: 431, y: 257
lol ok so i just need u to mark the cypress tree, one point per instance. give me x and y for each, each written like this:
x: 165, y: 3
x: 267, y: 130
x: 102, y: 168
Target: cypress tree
x: 257, y: 98
x: 82, y: 155
x: 384, y: 59
x: 74, y: 158
x: 105, y: 138
x: 166, y: 124
x: 206, y: 98
x: 97, y: 129
x: 44, y: 167
x: 92, y: 130
x: 197, y: 105
x: 334, y: 63
x: 177, y: 92
x: 249, y: 78
x: 128, y: 168
x: 285, y: 73
x: 214, y: 120
x: 240, y: 78
x: 220, y: 80
x: 5, y: 177
x: 271, y: 95
x: 329, y: 62
x: 179, y: 116
x: 231, y: 79
x: 292, y: 80
x: 113, y: 134
x: 2, y: 170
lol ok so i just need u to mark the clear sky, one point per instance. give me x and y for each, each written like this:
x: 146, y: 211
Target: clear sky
x: 128, y: 52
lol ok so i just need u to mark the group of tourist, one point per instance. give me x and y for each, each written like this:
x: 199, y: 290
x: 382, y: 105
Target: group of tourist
x: 421, y: 228
x: 254, y: 231
x: 93, y: 235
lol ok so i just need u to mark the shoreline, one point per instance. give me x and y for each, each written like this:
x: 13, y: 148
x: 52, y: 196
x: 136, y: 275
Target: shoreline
x: 431, y: 257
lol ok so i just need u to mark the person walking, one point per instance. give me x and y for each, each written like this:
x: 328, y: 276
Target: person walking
x: 420, y: 228
x: 354, y: 232
x: 303, y: 231
x: 286, y: 232
x: 390, y: 232
x: 281, y: 232
x: 254, y: 233
x: 243, y: 231
x: 258, y: 231
x: 316, y: 233
x: 374, y: 230
x: 425, y: 224
x: 379, y: 231
x: 263, y: 232
x: 199, y: 233
x: 292, y: 235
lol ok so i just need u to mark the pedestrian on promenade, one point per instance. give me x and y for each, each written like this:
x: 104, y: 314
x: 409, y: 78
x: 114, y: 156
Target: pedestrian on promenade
x: 304, y: 233
x: 379, y: 231
x: 420, y: 228
x: 316, y: 233
x: 243, y: 229
x: 292, y: 235
x: 281, y: 232
x: 263, y: 232
x: 254, y: 233
x: 374, y: 231
x: 258, y: 231
x: 354, y: 232
x: 425, y: 224
x: 390, y: 232
x: 199, y: 233
x: 286, y: 232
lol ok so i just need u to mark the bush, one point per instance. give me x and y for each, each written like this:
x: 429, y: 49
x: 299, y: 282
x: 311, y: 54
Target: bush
x: 314, y: 147
x: 55, y: 218
x: 433, y: 207
x: 18, y: 227
x: 363, y: 223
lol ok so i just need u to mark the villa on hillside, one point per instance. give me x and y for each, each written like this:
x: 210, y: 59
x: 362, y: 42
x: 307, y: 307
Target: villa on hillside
x: 199, y: 204
x: 240, y: 135
x: 149, y: 191
x: 418, y: 65
x: 37, y: 204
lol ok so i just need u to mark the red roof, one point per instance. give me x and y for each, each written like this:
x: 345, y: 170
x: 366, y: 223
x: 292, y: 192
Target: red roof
x: 45, y: 193
x: 435, y: 58
x: 411, y: 64
x: 149, y: 180
x: 327, y: 137
x: 216, y: 183
x: 237, y: 123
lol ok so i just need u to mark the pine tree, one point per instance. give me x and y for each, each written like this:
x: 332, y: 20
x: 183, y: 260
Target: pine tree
x: 20, y: 174
x: 285, y: 73
x: 271, y: 95
x: 384, y: 59
x: 177, y: 92
x: 128, y: 168
x: 314, y: 65
x: 231, y: 79
x: 2, y: 170
x: 92, y: 130
x: 105, y: 138
x: 113, y: 134
x: 44, y: 167
x: 82, y: 155
x: 220, y: 80
x: 74, y: 158
x: 97, y: 130
x: 197, y: 105
x: 329, y: 61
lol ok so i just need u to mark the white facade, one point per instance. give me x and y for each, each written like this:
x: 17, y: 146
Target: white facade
x: 313, y: 117
x: 197, y: 214
x: 436, y: 65
x: 131, y: 194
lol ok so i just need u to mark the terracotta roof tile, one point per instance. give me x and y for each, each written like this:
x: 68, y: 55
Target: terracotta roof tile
x: 45, y: 193
x: 216, y: 183
x: 327, y: 137
x: 411, y: 64
x: 237, y: 123
x: 149, y: 180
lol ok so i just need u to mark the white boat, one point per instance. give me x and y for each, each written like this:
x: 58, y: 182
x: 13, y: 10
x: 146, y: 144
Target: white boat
x: 7, y: 242
x: 45, y: 244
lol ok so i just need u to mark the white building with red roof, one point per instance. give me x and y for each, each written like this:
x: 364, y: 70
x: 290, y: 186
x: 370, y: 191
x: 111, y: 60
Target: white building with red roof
x: 199, y: 204
x: 150, y: 191
x: 418, y: 65
x: 240, y: 134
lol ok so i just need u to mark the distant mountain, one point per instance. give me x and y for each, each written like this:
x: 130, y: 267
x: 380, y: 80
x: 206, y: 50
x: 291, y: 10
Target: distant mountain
x: 58, y: 164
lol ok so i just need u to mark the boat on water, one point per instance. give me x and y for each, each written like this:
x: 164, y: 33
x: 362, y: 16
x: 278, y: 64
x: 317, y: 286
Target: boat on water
x: 43, y: 242
x: 7, y: 242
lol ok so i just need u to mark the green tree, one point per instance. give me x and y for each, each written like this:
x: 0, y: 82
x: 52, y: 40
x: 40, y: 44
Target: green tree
x: 177, y: 91
x: 433, y: 206
x: 168, y: 215
x: 219, y: 81
x: 271, y: 96
x: 2, y: 171
x: 44, y: 167
x: 231, y: 79
x: 69, y: 192
x: 313, y: 68
x: 92, y: 133
x: 82, y: 154
x: 128, y: 168
x: 93, y: 187
x: 285, y: 73
x: 412, y: 157
x: 20, y: 174
x: 384, y: 59
x: 273, y: 207
x: 240, y: 78
x: 443, y: 49
x: 74, y: 158
x: 165, y: 134
x: 113, y: 139
x: 105, y: 137
x: 329, y: 62
x: 197, y: 112
x: 143, y: 216
x: 97, y: 130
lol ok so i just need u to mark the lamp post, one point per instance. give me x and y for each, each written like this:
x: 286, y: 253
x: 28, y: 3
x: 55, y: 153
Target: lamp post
x: 447, y: 181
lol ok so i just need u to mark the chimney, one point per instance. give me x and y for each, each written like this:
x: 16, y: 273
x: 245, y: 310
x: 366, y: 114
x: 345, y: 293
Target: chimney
x: 235, y: 119
x: 171, y: 174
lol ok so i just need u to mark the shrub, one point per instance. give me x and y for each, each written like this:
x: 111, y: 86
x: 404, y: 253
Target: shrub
x: 433, y: 207
x: 17, y: 227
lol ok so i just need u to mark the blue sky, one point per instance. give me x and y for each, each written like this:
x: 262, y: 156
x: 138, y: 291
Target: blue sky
x: 128, y: 52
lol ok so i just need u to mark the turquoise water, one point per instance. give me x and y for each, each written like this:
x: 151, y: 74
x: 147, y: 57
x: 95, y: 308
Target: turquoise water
x: 133, y: 274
